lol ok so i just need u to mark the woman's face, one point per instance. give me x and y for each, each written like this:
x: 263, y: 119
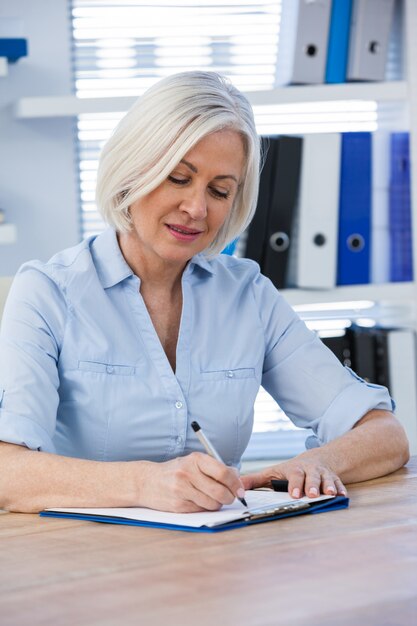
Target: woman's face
x: 182, y: 216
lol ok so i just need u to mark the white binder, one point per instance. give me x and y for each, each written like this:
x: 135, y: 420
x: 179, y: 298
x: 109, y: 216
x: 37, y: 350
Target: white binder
x: 369, y: 37
x: 402, y: 377
x: 380, y: 250
x: 303, y: 39
x: 313, y: 263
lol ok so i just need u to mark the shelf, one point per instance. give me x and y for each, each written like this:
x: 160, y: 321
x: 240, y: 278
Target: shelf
x: 68, y: 106
x: 3, y: 66
x: 8, y: 233
x: 391, y: 292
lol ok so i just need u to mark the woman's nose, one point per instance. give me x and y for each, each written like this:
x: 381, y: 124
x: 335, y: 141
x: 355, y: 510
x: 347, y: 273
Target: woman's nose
x: 195, y: 204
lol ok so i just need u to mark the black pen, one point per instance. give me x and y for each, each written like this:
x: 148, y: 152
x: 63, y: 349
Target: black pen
x: 211, y: 450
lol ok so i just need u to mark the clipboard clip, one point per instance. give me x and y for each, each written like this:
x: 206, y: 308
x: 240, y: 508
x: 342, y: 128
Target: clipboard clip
x: 277, y: 510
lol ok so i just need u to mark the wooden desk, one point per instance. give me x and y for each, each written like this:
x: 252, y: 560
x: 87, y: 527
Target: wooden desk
x: 356, y: 567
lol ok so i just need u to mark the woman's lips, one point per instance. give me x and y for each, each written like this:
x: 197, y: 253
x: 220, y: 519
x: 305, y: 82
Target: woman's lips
x: 182, y: 233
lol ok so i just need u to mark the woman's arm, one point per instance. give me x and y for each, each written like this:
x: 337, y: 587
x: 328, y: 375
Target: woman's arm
x: 376, y: 445
x: 31, y: 481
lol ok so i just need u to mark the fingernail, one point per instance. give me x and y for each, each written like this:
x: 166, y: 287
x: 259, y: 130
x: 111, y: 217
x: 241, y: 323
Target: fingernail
x: 240, y: 493
x: 330, y: 490
x: 343, y: 493
x: 313, y: 491
x: 296, y: 493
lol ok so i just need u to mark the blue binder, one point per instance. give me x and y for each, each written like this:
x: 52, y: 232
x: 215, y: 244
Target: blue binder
x: 13, y: 48
x: 338, y: 48
x: 231, y: 247
x: 401, y: 257
x: 354, y: 244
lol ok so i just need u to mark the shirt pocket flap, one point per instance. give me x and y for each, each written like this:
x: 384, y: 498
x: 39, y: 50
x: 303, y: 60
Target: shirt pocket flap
x: 106, y: 368
x: 229, y: 374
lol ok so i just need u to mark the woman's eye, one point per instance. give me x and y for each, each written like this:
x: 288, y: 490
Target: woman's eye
x: 178, y: 181
x: 220, y: 194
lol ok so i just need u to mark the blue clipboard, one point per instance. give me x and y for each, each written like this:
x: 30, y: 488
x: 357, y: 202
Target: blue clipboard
x: 289, y: 510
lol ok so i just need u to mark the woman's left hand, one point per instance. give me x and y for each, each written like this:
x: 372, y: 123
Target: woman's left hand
x: 306, y: 476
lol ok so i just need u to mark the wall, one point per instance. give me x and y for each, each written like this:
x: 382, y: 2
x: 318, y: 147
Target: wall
x: 38, y: 185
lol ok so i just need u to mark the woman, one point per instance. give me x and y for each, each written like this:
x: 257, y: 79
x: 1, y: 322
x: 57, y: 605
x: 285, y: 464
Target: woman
x: 111, y: 349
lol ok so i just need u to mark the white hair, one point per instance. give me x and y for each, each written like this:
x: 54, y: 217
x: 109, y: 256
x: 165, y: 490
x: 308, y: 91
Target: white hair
x: 156, y: 133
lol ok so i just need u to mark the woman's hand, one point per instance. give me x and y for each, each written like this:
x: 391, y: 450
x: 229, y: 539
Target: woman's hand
x: 306, y: 475
x: 196, y: 482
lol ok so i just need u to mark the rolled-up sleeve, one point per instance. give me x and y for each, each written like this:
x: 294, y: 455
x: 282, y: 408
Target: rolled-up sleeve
x: 306, y: 379
x: 31, y: 332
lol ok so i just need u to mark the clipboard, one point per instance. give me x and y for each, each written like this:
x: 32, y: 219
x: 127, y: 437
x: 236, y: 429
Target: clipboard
x: 281, y: 506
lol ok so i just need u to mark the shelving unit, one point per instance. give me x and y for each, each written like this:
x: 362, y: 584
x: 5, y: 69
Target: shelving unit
x: 67, y: 106
x: 392, y: 292
x: 396, y: 91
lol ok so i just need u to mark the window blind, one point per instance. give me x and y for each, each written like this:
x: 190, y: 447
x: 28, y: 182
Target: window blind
x: 122, y: 48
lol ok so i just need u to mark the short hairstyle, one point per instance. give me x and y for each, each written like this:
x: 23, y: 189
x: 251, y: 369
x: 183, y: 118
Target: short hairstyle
x: 160, y: 128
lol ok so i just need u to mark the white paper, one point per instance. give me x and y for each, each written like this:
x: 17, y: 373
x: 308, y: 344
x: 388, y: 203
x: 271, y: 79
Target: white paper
x: 228, y: 513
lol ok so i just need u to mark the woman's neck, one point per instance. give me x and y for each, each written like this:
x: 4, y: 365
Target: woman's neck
x: 154, y: 272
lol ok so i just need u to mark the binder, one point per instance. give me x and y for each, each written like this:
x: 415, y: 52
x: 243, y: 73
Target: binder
x: 369, y: 36
x: 257, y: 231
x: 355, y: 347
x: 313, y: 257
x: 396, y: 368
x: 230, y: 249
x: 354, y: 242
x: 381, y: 357
x: 402, y: 378
x: 303, y: 41
x: 363, y: 352
x: 340, y: 345
x: 274, y: 506
x: 401, y: 257
x: 283, y: 207
x: 380, y: 231
x: 337, y: 51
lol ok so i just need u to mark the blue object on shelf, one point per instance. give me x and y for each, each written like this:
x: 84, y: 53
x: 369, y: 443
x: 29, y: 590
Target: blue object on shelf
x: 400, y: 209
x: 231, y: 247
x: 338, y: 47
x: 13, y: 48
x: 354, y: 249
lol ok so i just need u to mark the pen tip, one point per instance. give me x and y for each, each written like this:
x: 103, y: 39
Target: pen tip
x: 195, y: 426
x: 243, y: 501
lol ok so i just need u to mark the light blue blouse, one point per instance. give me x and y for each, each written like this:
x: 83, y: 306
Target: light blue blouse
x: 83, y: 374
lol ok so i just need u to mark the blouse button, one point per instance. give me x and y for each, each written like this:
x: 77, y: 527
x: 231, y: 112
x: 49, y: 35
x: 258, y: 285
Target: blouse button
x: 230, y: 374
x: 110, y: 369
x: 178, y: 405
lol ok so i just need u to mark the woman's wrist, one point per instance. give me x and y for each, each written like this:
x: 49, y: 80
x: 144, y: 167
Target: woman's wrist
x: 136, y: 482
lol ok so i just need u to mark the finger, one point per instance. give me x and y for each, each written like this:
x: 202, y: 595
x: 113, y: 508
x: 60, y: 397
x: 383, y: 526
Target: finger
x: 313, y: 482
x: 187, y: 498
x: 328, y: 485
x: 340, y: 487
x: 187, y: 506
x: 296, y: 482
x: 227, y: 476
x: 204, y: 501
x: 210, y: 488
x: 253, y: 481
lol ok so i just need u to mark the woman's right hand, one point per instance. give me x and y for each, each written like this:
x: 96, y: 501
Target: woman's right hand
x: 196, y: 482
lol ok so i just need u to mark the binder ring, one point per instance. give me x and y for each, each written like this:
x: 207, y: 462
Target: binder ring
x: 319, y: 239
x: 374, y: 47
x: 311, y: 50
x: 355, y: 242
x: 279, y: 242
